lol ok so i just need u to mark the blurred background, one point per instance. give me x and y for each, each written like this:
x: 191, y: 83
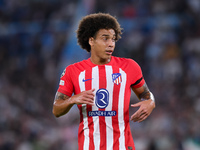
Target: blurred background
x: 38, y: 40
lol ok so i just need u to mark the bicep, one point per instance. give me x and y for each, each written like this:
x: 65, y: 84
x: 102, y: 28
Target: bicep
x: 61, y: 104
x: 60, y: 97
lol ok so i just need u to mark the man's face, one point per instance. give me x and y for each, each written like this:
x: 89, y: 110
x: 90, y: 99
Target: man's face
x: 102, y: 46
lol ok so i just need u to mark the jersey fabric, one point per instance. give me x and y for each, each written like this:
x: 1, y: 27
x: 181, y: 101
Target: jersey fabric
x: 104, y: 126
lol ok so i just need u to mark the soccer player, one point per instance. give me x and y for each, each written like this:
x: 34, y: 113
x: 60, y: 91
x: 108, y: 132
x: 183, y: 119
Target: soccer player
x: 102, y: 88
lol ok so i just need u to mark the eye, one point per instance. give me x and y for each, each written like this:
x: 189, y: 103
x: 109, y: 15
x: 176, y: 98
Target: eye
x: 105, y: 38
x: 114, y: 39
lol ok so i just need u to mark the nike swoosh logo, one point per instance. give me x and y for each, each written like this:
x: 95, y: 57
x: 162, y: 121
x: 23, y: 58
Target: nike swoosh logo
x: 84, y: 80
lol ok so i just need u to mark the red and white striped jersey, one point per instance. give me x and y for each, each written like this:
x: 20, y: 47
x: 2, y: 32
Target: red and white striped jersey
x: 104, y: 126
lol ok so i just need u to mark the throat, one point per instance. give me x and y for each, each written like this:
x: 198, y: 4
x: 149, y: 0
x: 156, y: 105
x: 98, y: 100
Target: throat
x: 100, y: 61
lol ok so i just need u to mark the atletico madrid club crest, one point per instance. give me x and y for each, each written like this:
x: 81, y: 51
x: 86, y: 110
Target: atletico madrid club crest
x: 117, y: 78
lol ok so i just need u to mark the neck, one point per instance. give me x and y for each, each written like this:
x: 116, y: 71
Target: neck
x: 100, y: 62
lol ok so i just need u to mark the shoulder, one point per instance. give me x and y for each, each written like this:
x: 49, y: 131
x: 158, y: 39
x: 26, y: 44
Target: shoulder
x: 74, y: 69
x: 125, y: 61
x: 78, y: 65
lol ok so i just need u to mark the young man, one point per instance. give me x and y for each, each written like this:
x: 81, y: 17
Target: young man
x: 102, y: 88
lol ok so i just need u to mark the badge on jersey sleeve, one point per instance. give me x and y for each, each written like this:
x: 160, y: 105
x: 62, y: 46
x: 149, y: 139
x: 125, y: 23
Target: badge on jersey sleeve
x: 117, y: 78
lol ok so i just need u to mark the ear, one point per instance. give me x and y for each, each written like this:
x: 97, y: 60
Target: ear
x: 91, y: 41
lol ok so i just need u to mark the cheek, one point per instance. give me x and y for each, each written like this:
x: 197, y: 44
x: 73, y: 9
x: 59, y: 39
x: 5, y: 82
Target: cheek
x: 101, y: 46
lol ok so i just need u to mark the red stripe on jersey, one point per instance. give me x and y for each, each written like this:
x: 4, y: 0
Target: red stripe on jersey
x: 102, y: 123
x: 80, y: 129
x: 88, y: 86
x: 128, y: 136
x: 115, y: 120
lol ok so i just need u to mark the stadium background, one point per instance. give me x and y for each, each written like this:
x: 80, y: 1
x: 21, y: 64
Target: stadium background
x: 37, y: 40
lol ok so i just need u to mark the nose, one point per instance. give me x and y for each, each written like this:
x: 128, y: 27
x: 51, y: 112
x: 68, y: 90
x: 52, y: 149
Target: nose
x: 111, y: 43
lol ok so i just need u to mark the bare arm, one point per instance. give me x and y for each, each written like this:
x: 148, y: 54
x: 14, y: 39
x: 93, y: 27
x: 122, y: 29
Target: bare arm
x: 143, y: 93
x: 146, y: 105
x: 63, y: 103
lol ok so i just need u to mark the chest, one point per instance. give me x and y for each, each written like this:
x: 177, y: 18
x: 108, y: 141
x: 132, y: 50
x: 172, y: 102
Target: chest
x: 99, y: 77
x: 110, y: 83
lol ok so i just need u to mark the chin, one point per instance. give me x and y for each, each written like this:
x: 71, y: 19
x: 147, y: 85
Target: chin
x: 109, y: 58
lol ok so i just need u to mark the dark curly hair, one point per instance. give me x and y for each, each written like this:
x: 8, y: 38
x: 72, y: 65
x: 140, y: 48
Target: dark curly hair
x: 91, y: 24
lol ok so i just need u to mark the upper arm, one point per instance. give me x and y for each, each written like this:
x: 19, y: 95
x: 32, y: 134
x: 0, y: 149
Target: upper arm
x: 60, y: 97
x: 142, y: 92
x: 61, y: 104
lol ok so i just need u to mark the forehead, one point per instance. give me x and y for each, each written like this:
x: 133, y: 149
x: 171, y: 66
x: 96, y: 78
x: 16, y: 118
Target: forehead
x: 106, y: 32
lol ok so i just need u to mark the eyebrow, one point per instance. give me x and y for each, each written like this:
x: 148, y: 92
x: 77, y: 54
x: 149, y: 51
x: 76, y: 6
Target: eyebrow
x: 108, y: 35
x: 105, y: 35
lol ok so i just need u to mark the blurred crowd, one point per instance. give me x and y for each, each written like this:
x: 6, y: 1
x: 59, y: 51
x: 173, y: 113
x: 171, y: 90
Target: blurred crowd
x: 35, y: 46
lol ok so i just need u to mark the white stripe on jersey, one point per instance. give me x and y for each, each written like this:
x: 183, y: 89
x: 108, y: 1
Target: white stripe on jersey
x: 108, y: 120
x: 121, y: 111
x: 84, y: 113
x: 95, y: 84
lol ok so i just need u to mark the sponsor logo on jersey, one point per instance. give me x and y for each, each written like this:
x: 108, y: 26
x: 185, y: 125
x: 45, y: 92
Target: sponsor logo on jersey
x: 117, y: 78
x: 101, y: 101
x: 102, y: 98
x: 102, y: 113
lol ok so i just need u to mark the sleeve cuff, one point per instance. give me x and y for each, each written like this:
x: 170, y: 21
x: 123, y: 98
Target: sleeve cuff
x: 64, y: 92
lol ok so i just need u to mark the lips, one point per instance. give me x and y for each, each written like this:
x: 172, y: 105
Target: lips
x: 109, y: 52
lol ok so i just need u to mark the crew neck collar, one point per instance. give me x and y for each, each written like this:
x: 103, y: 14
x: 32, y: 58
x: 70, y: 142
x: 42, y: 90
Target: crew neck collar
x: 92, y: 64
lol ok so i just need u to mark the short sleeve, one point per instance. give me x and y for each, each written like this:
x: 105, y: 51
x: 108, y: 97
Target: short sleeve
x: 136, y: 76
x: 66, y: 85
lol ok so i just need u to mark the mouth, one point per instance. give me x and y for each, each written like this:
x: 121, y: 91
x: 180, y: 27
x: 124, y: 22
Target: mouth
x: 109, y: 52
